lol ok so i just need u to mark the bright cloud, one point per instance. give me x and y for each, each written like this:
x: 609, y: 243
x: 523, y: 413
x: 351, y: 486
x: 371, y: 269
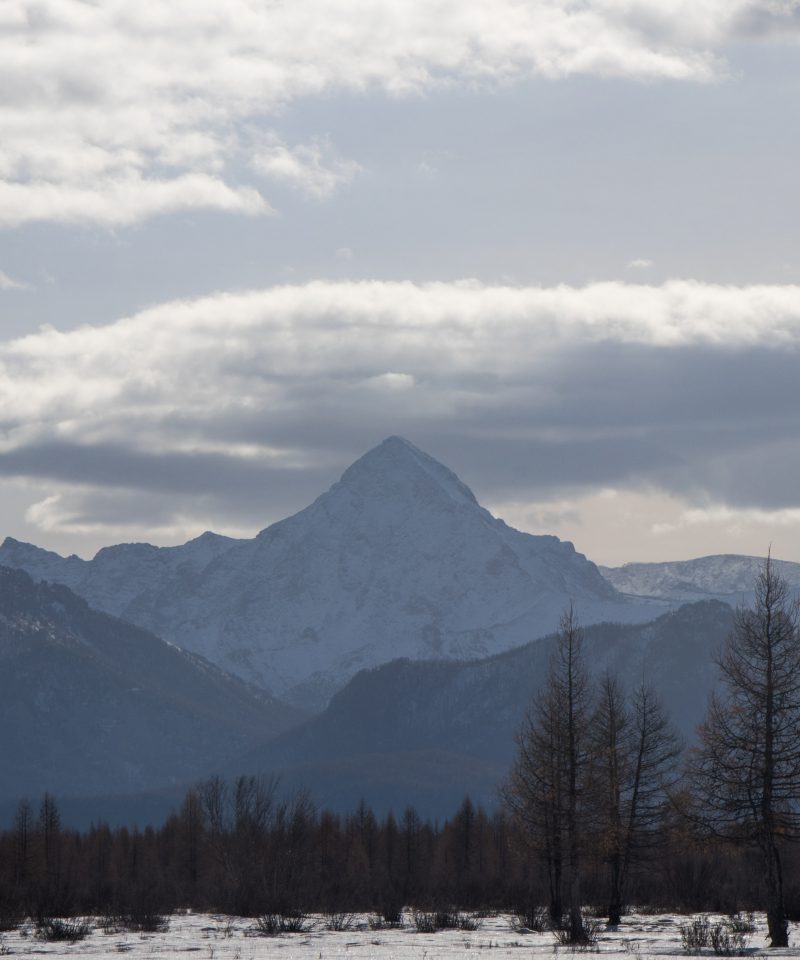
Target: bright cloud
x: 247, y: 350
x: 115, y: 112
x: 222, y: 396
x: 723, y: 515
x: 311, y: 168
x: 119, y: 202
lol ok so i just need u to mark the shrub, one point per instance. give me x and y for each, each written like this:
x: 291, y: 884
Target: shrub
x: 727, y: 942
x: 530, y: 920
x: 590, y: 933
x: 53, y: 930
x: 433, y: 920
x: 339, y: 922
x: 379, y: 921
x: 272, y: 924
x: 135, y: 921
x: 147, y: 921
x: 695, y: 935
x: 391, y: 910
x: 742, y: 922
x: 425, y: 921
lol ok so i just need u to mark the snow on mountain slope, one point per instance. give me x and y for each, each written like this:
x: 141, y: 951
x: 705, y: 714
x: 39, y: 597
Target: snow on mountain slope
x: 377, y: 737
x: 396, y: 559
x: 117, y: 575
x: 728, y: 577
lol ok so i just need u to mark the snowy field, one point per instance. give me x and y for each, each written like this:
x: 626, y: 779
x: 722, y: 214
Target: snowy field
x: 224, y: 938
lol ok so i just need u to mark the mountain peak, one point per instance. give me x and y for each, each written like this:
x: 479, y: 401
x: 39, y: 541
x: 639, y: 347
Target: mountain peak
x: 396, y: 466
x: 396, y: 559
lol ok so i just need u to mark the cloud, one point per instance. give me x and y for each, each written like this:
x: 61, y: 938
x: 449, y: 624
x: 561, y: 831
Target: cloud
x: 733, y: 518
x: 122, y: 202
x: 216, y: 407
x: 102, y: 102
x: 312, y: 168
x: 640, y: 264
x: 9, y: 283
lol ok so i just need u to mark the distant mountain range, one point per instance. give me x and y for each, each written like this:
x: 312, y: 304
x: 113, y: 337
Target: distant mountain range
x: 90, y: 704
x: 397, y: 559
x: 727, y: 577
x: 429, y: 732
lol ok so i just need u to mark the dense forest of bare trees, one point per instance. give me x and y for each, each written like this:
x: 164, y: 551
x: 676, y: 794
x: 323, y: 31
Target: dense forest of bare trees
x: 598, y: 811
x: 237, y: 848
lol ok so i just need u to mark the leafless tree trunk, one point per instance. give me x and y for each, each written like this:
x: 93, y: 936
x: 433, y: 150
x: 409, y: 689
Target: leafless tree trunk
x: 613, y: 739
x: 546, y: 786
x: 745, y: 775
x: 636, y: 757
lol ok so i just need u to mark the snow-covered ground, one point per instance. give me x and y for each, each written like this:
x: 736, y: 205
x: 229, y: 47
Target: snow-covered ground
x: 224, y: 938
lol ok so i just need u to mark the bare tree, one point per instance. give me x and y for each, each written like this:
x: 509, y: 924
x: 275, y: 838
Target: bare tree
x: 546, y: 788
x: 744, y: 777
x: 636, y: 757
x: 23, y: 829
x: 534, y: 789
x: 613, y: 738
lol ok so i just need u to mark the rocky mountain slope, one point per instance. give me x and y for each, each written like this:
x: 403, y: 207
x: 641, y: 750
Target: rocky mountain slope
x: 90, y: 704
x: 427, y: 733
x: 727, y: 577
x: 396, y: 559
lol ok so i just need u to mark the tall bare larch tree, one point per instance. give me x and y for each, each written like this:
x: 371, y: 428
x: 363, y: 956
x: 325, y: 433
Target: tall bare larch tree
x: 547, y: 786
x: 744, y: 777
x: 635, y: 759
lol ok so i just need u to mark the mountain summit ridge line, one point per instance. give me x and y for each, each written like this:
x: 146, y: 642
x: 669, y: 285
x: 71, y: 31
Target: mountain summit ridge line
x: 397, y: 558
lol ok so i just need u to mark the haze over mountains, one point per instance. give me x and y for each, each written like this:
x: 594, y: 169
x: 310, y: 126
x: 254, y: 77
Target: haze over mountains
x: 429, y: 732
x: 90, y: 704
x: 397, y: 559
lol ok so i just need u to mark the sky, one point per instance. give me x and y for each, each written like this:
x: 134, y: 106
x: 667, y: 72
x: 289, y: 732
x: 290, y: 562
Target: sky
x: 554, y: 243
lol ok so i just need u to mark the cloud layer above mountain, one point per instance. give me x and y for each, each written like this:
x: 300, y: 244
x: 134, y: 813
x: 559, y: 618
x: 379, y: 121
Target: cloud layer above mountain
x: 234, y: 409
x: 113, y: 113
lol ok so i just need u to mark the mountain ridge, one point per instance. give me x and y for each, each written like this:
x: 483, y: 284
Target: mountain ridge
x: 727, y: 576
x: 396, y: 558
x: 91, y: 703
x: 429, y: 732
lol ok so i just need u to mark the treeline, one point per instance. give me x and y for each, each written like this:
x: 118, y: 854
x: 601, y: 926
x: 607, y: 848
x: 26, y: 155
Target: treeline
x: 237, y: 848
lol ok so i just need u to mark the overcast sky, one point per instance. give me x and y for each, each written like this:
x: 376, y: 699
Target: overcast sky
x: 556, y: 244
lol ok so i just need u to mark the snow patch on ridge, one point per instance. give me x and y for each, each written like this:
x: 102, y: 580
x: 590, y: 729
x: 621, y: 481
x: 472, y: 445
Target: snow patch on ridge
x: 727, y: 577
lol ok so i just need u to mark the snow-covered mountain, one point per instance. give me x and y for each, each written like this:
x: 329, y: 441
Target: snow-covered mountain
x: 727, y: 577
x: 396, y: 559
